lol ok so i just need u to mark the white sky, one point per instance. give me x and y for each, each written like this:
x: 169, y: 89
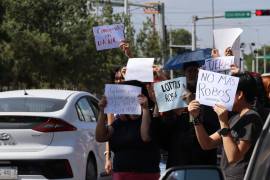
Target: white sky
x: 178, y: 14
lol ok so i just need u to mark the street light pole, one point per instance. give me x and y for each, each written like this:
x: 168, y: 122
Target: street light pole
x: 126, y: 7
x: 213, y: 22
x: 193, y: 43
x: 257, y: 62
x: 264, y: 60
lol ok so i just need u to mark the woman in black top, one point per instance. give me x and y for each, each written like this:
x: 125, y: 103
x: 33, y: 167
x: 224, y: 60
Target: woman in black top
x: 136, y: 155
x: 238, y: 134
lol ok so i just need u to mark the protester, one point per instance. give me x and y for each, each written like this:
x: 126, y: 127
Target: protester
x: 136, y: 155
x: 261, y: 103
x: 117, y: 76
x: 237, y: 134
x: 176, y: 132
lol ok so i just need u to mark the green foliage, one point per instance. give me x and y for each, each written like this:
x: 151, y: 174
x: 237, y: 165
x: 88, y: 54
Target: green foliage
x: 180, y: 37
x: 249, y: 57
x: 148, y: 41
x: 50, y: 44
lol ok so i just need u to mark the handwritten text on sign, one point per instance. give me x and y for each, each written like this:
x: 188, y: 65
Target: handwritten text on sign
x: 219, y: 64
x: 122, y: 99
x: 108, y: 36
x: 215, y: 88
x: 168, y: 94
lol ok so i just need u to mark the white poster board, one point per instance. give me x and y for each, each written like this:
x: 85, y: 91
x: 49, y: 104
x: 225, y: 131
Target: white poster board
x: 215, y: 88
x: 108, y: 36
x: 140, y: 69
x: 224, y: 38
x: 168, y: 94
x: 122, y: 99
x: 218, y: 64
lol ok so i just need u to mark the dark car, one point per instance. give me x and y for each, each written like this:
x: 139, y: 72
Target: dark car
x: 258, y: 168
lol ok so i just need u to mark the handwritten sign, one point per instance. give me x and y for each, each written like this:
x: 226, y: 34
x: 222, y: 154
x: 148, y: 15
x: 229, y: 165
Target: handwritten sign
x: 219, y: 64
x: 215, y: 88
x: 108, y: 36
x: 140, y: 69
x: 122, y: 99
x: 168, y: 94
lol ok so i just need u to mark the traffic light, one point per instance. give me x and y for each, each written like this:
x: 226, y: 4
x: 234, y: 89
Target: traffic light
x: 262, y: 12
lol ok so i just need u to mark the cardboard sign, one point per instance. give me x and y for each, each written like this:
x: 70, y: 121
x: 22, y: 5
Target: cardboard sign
x: 219, y: 64
x: 108, y: 36
x: 140, y: 69
x: 122, y: 99
x: 224, y: 38
x: 168, y: 94
x: 215, y: 88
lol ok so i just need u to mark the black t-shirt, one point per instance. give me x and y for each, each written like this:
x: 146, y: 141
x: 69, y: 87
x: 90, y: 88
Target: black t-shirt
x: 247, y: 127
x: 177, y: 136
x: 131, y: 154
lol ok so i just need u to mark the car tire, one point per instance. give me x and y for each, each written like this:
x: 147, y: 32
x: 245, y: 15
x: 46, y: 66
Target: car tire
x: 91, y: 170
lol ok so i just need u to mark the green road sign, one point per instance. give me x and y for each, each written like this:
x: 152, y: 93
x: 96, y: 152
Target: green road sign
x: 237, y: 14
x: 264, y: 57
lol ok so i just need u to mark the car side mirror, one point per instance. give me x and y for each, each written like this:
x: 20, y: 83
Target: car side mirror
x: 193, y: 173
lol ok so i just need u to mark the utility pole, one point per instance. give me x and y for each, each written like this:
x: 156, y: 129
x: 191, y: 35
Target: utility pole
x: 257, y: 62
x: 213, y: 21
x: 162, y: 28
x: 171, y: 52
x: 126, y: 7
x: 264, y: 60
x: 194, y: 20
x: 193, y: 36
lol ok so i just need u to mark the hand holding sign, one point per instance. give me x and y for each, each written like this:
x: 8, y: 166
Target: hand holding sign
x: 102, y: 103
x: 221, y: 112
x: 143, y: 101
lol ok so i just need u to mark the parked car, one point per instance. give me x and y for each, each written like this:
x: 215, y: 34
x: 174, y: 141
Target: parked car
x: 49, y: 134
x: 258, y: 168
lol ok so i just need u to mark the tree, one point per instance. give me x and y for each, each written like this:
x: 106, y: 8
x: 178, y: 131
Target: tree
x: 50, y: 44
x: 252, y: 56
x: 180, y: 37
x: 148, y: 41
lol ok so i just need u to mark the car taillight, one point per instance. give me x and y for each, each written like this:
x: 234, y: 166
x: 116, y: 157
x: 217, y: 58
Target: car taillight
x: 54, y: 125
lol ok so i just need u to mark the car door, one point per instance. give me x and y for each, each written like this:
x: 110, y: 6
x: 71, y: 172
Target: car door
x: 87, y: 109
x: 259, y: 166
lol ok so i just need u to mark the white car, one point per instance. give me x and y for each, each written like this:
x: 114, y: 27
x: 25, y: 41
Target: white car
x: 49, y: 134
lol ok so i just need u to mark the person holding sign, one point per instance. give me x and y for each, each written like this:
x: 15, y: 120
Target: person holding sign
x: 177, y: 135
x: 237, y: 134
x: 136, y: 155
x: 117, y: 76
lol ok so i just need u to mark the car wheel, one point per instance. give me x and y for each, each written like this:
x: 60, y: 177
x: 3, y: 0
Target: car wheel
x: 91, y: 171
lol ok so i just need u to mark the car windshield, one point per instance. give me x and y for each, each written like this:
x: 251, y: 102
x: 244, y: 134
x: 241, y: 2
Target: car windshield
x: 31, y: 104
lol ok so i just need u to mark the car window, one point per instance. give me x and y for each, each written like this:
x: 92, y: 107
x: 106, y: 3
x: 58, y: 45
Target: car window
x: 85, y: 111
x: 30, y: 104
x: 94, y: 105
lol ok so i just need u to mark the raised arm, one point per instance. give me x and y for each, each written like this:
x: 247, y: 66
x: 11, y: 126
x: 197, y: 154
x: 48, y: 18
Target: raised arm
x: 206, y: 142
x: 234, y: 151
x: 146, y: 118
x: 103, y: 132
